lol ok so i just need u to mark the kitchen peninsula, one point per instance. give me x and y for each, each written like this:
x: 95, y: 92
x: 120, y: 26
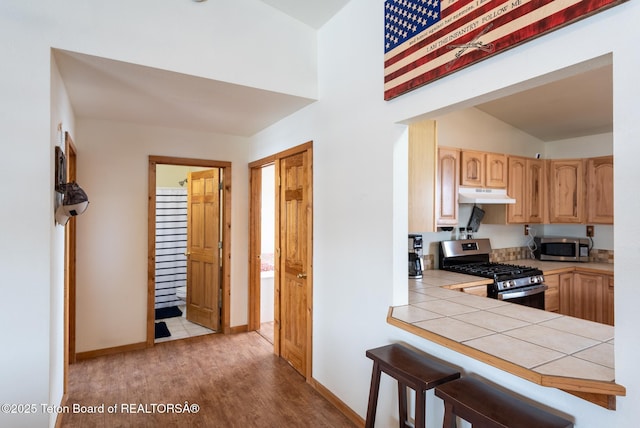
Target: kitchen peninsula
x: 547, y: 348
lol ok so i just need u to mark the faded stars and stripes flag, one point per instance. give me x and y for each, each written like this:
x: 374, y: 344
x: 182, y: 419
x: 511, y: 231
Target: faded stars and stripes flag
x: 428, y: 39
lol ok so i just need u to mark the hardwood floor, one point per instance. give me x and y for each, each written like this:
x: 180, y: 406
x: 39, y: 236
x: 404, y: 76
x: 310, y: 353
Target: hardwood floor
x: 236, y: 381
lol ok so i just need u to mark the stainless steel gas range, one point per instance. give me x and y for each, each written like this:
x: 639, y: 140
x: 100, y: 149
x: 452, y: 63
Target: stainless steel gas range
x: 517, y: 284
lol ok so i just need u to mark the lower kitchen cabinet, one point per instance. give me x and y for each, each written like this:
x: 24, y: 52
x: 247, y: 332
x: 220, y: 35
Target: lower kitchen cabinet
x: 552, y: 294
x: 588, y: 296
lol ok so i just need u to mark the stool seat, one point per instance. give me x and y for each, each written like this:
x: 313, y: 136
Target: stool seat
x: 410, y: 369
x: 479, y: 403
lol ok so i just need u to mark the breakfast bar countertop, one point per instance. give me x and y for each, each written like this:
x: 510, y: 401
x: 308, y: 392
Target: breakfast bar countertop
x: 546, y: 348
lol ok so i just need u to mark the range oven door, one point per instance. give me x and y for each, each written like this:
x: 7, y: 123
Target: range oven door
x: 532, y: 296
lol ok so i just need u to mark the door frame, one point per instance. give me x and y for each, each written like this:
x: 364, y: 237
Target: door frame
x: 151, y: 240
x: 70, y: 268
x: 255, y: 202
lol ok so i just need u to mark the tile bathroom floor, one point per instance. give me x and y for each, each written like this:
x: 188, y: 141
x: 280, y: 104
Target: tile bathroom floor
x: 180, y: 328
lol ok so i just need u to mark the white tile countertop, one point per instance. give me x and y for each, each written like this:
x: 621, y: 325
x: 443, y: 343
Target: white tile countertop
x: 546, y: 348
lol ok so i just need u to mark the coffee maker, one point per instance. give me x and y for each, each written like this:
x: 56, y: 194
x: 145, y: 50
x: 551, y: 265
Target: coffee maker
x: 415, y: 256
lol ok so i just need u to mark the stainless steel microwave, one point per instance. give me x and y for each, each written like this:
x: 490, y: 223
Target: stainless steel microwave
x: 561, y: 249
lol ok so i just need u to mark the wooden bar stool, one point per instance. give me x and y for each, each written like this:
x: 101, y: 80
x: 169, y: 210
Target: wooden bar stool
x: 410, y: 369
x: 481, y: 404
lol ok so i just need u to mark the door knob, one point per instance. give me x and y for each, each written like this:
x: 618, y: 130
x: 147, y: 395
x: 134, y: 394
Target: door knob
x: 302, y: 275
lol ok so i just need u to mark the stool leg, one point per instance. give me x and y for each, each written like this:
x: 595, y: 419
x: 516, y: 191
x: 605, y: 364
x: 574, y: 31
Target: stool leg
x: 373, y: 396
x: 421, y: 397
x: 449, y: 417
x: 402, y: 405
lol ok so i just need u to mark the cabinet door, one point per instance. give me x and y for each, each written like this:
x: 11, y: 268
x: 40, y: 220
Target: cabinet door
x: 608, y: 300
x: 566, y: 294
x: 447, y: 187
x: 496, y: 170
x: 472, y: 173
x: 536, y: 184
x: 422, y: 176
x: 566, y: 191
x: 517, y: 189
x: 552, y: 294
x: 600, y: 190
x: 588, y: 296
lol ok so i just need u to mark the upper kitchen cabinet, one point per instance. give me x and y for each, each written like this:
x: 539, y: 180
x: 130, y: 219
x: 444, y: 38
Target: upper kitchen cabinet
x: 422, y: 176
x: 448, y: 170
x: 496, y: 172
x: 481, y: 169
x: 472, y: 168
x: 433, y: 180
x: 600, y: 190
x: 526, y: 185
x: 566, y: 191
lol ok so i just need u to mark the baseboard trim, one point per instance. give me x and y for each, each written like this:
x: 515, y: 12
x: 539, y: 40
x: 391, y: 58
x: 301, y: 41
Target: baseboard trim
x: 110, y: 351
x: 338, y: 403
x: 239, y: 329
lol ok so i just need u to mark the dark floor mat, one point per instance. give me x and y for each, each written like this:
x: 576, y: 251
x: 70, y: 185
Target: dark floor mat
x: 162, y: 330
x: 170, y: 312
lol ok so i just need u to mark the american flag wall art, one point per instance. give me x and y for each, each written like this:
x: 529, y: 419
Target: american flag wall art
x: 429, y: 39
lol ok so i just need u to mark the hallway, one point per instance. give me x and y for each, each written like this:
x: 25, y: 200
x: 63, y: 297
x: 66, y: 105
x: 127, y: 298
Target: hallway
x: 235, y: 380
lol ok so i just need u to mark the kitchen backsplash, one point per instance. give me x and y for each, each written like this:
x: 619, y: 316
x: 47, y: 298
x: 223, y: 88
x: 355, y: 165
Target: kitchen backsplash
x: 505, y: 255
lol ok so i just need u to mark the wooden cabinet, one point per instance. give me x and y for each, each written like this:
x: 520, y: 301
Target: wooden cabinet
x: 552, y: 294
x: 609, y: 303
x: 433, y: 180
x: 588, y: 297
x: 482, y: 169
x: 476, y: 290
x: 566, y: 191
x: 565, y: 295
x: 472, y: 168
x: 585, y: 295
x: 536, y: 206
x: 496, y: 172
x: 600, y: 190
x: 421, y: 167
x: 447, y: 170
x: 526, y: 185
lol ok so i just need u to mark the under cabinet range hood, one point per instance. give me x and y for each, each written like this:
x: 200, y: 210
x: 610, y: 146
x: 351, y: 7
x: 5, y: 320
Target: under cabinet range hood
x: 476, y: 195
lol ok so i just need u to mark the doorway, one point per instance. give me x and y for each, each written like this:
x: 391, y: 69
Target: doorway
x: 293, y: 221
x: 188, y: 246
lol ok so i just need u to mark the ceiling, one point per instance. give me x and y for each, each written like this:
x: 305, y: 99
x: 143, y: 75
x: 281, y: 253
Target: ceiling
x: 572, y: 107
x: 314, y: 13
x: 105, y: 89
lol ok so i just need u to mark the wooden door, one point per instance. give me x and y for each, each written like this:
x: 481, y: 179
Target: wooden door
x: 204, y: 248
x: 294, y: 273
x: 447, y: 187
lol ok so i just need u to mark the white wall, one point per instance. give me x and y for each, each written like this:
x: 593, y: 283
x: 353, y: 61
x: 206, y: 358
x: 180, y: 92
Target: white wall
x: 360, y: 211
x: 359, y: 206
x: 112, y: 233
x: 277, y: 53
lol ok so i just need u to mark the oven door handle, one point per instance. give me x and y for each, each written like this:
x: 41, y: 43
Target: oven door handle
x: 507, y: 295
